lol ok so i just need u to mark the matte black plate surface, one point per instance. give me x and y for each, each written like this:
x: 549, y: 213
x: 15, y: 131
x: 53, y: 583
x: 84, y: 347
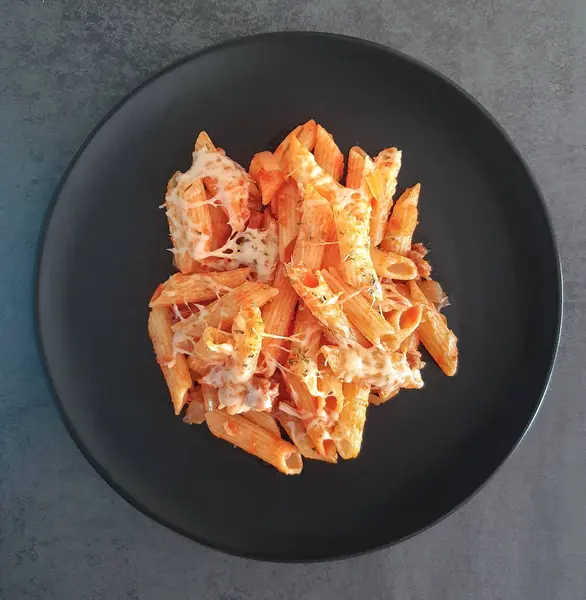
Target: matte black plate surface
x: 424, y: 452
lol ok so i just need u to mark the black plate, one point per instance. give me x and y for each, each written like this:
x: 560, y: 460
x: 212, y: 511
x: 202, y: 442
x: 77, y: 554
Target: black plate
x: 425, y: 452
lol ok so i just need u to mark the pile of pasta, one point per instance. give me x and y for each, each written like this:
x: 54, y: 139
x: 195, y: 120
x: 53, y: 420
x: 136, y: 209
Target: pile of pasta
x: 299, y: 301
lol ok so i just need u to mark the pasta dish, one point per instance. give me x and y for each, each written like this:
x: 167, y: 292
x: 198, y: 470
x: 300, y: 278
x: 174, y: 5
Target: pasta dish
x: 299, y: 301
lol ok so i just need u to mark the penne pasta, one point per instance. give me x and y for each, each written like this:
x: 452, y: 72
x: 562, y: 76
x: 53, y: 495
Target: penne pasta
x: 227, y: 184
x: 332, y: 256
x: 298, y: 435
x: 204, y: 141
x: 302, y: 361
x: 173, y: 365
x: 322, y: 302
x: 316, y: 232
x: 439, y: 341
x: 359, y: 311
x: 351, y: 210
x: 434, y: 293
x: 360, y: 165
x: 379, y: 397
x: 235, y: 372
x: 210, y: 397
x: 221, y: 312
x: 195, y: 413
x: 393, y: 299
x: 256, y: 441
x: 316, y: 427
x: 289, y: 206
x: 382, y: 183
x: 307, y: 331
x: 350, y: 426
x: 189, y: 220
x: 212, y: 349
x: 220, y: 229
x: 264, y: 420
x: 299, y: 301
x: 199, y: 287
x: 278, y: 315
x: 400, y: 227
x: 327, y: 154
x: 267, y: 173
x: 389, y: 265
x: 305, y: 133
x: 404, y: 322
x: 330, y: 400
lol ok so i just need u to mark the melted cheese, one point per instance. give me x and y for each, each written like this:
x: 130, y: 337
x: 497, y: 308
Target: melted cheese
x: 231, y: 181
x: 258, y: 394
x: 247, y: 329
x: 255, y: 248
x: 377, y: 366
x: 322, y: 302
x: 352, y: 212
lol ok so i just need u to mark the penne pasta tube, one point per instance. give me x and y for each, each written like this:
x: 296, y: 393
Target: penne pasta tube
x: 351, y: 210
x: 433, y: 332
x: 305, y: 133
x: 360, y: 165
x: 267, y: 173
x: 324, y: 304
x: 298, y: 435
x: 278, y: 315
x: 315, y: 426
x: 288, y: 201
x: 359, y: 311
x: 210, y: 396
x: 389, y: 265
x: 173, y: 365
x: 204, y: 141
x: 404, y: 322
x: 247, y: 330
x: 327, y: 154
x: 330, y: 400
x: 199, y: 287
x: 302, y: 361
x: 307, y: 330
x: 195, y: 413
x: 400, y: 227
x: 220, y: 229
x: 380, y: 397
x: 352, y: 226
x: 264, y: 420
x: 233, y: 377
x: 316, y: 232
x: 227, y: 184
x: 256, y: 441
x: 383, y: 183
x: 189, y: 221
x: 221, y: 312
x: 393, y: 299
x: 332, y: 256
x: 299, y: 300
x: 213, y: 348
x: 350, y: 426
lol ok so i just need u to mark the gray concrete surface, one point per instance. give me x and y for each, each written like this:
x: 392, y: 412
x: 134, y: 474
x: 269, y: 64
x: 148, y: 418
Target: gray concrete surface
x: 64, y: 534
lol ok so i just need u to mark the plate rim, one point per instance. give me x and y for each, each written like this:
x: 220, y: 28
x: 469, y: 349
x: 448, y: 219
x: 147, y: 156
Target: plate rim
x: 45, y: 225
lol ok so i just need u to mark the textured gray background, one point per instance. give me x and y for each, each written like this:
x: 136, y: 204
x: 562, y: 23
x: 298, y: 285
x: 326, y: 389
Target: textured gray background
x: 64, y: 533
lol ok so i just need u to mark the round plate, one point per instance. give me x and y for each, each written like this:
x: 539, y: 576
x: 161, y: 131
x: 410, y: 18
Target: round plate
x: 425, y: 452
